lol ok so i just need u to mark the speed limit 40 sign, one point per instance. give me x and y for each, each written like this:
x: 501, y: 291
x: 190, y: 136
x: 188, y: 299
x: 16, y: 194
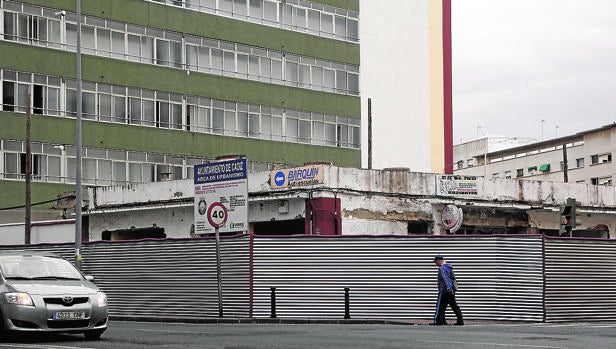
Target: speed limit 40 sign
x: 217, y: 214
x: 217, y: 206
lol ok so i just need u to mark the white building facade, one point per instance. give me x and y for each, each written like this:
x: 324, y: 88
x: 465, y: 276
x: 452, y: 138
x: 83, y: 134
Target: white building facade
x: 406, y: 73
x: 585, y: 158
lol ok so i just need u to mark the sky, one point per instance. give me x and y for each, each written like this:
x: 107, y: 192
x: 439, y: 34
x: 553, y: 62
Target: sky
x: 532, y: 68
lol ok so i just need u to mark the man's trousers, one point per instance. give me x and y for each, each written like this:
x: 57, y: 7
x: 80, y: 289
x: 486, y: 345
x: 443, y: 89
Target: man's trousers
x: 446, y: 298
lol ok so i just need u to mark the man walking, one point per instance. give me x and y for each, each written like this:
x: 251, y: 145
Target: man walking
x: 447, y: 287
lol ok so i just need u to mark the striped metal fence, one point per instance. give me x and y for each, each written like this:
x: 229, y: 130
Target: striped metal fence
x: 580, y: 280
x: 519, y: 278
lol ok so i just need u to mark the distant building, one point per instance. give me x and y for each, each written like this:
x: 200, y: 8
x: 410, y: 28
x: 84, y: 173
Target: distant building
x: 406, y: 72
x: 585, y: 157
x: 171, y: 84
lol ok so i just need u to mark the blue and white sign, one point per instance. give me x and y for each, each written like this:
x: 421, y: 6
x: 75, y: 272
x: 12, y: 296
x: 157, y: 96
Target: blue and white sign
x: 279, y: 178
x: 297, y: 177
x: 221, y: 171
x: 222, y: 183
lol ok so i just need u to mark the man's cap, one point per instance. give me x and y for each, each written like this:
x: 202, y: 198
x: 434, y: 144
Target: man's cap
x: 437, y: 257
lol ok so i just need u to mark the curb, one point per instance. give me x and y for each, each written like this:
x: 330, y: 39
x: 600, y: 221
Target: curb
x: 266, y: 320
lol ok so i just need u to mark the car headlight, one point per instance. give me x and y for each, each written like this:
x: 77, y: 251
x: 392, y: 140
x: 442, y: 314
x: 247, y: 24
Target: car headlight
x: 19, y: 298
x: 102, y: 298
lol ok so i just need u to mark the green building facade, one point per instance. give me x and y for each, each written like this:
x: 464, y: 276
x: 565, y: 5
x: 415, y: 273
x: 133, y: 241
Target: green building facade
x: 170, y: 84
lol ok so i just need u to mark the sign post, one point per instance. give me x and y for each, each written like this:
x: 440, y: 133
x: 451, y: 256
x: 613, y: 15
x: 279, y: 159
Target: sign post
x: 217, y: 216
x: 221, y: 196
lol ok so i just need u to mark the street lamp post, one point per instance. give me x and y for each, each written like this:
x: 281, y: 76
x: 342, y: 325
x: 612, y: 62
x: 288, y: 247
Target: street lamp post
x: 78, y: 141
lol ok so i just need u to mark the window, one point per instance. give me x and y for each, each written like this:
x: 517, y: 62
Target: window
x: 292, y: 128
x: 256, y: 9
x: 36, y: 161
x: 198, y: 115
x: 44, y: 93
x: 601, y: 180
x: 8, y: 96
x: 470, y: 162
x: 460, y: 164
x: 508, y: 174
x: 579, y: 162
x: 292, y: 75
x: 520, y: 172
x: 29, y: 28
x: 601, y: 158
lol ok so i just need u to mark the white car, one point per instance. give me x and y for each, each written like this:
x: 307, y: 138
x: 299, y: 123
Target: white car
x: 43, y: 292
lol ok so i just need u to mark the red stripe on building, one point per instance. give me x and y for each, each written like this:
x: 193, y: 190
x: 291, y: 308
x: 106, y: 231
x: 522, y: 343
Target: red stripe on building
x: 447, y: 78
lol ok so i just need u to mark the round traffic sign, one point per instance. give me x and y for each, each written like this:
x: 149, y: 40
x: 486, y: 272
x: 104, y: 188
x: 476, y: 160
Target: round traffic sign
x: 217, y: 214
x: 279, y: 178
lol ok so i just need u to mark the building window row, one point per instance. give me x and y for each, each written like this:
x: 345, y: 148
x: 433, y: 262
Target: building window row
x: 56, y: 163
x: 40, y: 26
x: 601, y: 180
x: 296, y: 15
x: 579, y: 163
x: 135, y: 106
x: 600, y: 158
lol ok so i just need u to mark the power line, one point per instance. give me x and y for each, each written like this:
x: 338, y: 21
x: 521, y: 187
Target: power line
x: 23, y: 206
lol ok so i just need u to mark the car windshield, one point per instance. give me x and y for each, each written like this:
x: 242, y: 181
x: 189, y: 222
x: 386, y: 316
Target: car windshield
x: 37, y: 267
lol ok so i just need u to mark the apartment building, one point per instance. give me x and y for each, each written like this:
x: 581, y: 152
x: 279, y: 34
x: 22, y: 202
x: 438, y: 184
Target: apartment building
x: 585, y: 157
x: 170, y: 84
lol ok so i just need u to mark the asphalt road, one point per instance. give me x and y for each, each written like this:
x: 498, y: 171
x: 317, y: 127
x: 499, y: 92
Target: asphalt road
x: 352, y: 336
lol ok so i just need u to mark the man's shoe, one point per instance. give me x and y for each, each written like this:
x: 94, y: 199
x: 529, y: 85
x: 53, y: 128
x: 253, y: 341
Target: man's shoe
x: 459, y: 324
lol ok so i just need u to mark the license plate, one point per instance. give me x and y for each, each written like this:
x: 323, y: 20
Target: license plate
x: 69, y: 315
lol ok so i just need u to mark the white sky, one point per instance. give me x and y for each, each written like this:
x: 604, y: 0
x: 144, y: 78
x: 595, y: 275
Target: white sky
x: 517, y: 62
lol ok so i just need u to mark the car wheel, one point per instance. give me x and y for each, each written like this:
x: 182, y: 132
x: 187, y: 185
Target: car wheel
x: 93, y: 335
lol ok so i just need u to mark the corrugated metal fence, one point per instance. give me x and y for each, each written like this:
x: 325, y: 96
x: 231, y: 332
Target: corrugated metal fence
x: 394, y: 277
x: 580, y: 279
x: 500, y: 277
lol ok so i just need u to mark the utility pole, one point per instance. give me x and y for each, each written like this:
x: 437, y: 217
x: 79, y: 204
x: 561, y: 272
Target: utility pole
x: 370, y: 133
x: 565, y: 164
x: 28, y: 218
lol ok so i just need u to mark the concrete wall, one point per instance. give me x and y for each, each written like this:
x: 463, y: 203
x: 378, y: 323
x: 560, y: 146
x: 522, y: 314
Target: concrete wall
x: 372, y: 202
x: 40, y: 232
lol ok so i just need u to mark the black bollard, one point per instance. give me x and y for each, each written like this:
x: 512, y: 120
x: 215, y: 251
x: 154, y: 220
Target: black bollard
x: 273, y: 302
x: 347, y: 312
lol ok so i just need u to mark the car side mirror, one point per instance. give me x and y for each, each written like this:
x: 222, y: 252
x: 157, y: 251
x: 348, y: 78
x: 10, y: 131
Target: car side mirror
x: 89, y: 277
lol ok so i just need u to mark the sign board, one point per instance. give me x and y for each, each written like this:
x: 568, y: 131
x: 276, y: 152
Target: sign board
x: 458, y: 185
x: 297, y: 177
x: 452, y: 217
x: 221, y: 196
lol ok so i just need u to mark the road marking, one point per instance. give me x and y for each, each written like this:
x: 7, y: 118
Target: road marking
x: 37, y: 346
x: 495, y: 344
x: 552, y: 325
x: 166, y: 331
